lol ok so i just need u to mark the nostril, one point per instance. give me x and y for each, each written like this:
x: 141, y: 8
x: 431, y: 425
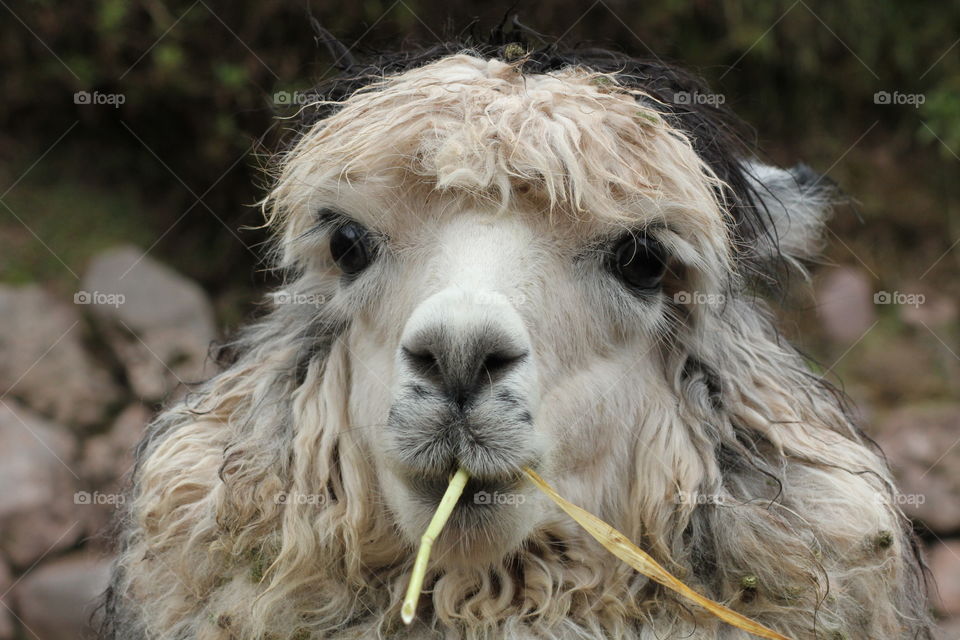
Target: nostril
x: 423, y: 362
x: 459, y: 368
x: 501, y: 361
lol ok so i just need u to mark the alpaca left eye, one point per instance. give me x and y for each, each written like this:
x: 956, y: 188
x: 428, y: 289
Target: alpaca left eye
x: 350, y: 248
x: 639, y: 261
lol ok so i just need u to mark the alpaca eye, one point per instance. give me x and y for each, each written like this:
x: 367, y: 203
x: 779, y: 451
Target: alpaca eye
x: 350, y: 248
x: 639, y: 261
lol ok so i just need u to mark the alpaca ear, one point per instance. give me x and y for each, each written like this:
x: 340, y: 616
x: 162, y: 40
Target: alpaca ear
x: 796, y: 203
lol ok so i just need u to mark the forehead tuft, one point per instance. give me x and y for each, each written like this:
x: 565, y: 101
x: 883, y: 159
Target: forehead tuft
x: 573, y: 140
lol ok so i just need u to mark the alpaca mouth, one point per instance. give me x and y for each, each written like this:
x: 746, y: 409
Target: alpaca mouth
x: 480, y: 494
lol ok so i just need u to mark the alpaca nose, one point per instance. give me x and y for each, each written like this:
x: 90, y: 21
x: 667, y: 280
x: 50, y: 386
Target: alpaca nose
x: 460, y: 342
x: 461, y: 364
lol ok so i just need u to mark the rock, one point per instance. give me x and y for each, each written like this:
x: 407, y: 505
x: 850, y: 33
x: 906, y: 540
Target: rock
x: 43, y: 362
x: 37, y: 511
x: 108, y: 456
x: 845, y: 303
x: 107, y: 460
x: 944, y: 561
x: 6, y: 618
x: 55, y: 600
x: 929, y: 309
x: 895, y: 368
x: 948, y: 629
x: 922, y: 443
x: 159, y: 323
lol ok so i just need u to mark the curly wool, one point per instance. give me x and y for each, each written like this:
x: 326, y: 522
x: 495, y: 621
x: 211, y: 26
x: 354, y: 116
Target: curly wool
x: 745, y: 477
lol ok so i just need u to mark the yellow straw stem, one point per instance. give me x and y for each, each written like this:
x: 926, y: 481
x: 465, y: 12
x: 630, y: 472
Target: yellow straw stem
x: 618, y: 544
x: 445, y: 508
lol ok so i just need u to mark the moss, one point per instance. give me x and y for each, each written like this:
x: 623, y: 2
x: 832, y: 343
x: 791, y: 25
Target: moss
x: 748, y: 587
x: 883, y: 540
x: 649, y: 116
x: 514, y: 51
x: 259, y: 563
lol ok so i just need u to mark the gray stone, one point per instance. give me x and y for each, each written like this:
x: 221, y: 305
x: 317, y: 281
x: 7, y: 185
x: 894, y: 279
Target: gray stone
x: 7, y: 626
x: 38, y: 515
x: 108, y: 457
x: 43, y: 362
x: 944, y: 561
x: 845, y: 303
x: 159, y: 323
x: 106, y: 463
x: 931, y: 309
x: 922, y: 443
x: 56, y: 600
x: 948, y: 629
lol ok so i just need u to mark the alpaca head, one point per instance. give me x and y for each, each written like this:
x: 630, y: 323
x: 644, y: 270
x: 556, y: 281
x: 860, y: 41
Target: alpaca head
x: 518, y: 258
x: 548, y: 263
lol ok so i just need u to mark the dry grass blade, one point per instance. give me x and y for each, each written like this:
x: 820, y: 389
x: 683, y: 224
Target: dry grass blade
x: 440, y: 517
x: 620, y: 546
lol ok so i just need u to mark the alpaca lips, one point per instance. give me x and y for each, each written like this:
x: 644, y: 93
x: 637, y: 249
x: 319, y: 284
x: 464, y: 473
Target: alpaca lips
x: 614, y: 541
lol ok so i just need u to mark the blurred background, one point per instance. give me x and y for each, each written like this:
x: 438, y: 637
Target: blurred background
x: 131, y: 157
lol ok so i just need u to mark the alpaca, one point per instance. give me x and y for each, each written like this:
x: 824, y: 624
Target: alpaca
x: 496, y: 259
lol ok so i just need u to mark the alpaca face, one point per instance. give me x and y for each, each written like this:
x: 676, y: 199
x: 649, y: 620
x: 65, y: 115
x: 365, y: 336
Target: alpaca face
x: 505, y: 266
x: 493, y: 341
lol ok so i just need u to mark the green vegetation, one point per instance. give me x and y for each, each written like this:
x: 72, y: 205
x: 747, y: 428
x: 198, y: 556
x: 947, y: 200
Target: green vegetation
x: 198, y: 84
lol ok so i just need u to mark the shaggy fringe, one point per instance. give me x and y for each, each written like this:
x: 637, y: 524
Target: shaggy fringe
x: 744, y: 477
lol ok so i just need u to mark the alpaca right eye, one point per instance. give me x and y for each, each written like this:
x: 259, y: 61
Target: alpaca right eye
x: 639, y: 261
x: 350, y: 248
